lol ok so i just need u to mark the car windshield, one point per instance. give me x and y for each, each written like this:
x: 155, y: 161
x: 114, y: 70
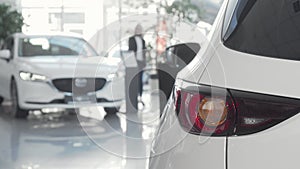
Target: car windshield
x: 54, y: 46
x: 265, y: 27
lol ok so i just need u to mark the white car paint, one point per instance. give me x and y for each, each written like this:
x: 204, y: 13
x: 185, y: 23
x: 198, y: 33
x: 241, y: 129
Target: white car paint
x: 37, y: 95
x: 217, y: 65
x: 170, y: 151
x: 173, y: 148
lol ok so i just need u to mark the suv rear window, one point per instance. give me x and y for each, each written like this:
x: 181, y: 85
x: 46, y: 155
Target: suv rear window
x: 269, y: 28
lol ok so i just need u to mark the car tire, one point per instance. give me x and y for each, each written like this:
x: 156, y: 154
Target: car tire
x: 1, y: 100
x: 72, y: 111
x: 111, y: 110
x: 16, y: 111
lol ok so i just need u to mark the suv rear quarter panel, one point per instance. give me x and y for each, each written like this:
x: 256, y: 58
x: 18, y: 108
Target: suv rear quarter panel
x: 275, y: 148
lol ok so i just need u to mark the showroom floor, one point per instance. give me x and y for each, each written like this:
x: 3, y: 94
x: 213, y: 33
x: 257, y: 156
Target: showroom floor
x: 90, y: 140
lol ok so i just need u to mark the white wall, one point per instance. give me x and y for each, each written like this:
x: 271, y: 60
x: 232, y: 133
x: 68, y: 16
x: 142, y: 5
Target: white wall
x: 37, y: 15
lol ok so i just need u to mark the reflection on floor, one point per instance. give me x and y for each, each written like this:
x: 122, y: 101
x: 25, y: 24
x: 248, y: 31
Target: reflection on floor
x: 89, y: 140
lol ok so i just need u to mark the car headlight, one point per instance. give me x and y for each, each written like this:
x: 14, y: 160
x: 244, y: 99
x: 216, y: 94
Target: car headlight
x: 32, y: 77
x: 111, y: 76
x: 118, y: 74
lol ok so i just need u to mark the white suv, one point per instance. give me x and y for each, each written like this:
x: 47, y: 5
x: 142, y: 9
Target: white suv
x: 57, y: 70
x: 237, y: 104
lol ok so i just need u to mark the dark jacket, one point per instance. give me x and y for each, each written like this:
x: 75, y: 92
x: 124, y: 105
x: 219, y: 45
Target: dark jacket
x: 133, y: 46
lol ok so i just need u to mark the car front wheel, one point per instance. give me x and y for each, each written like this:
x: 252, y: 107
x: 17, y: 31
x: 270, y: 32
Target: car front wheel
x: 16, y: 111
x: 111, y: 110
x: 1, y: 100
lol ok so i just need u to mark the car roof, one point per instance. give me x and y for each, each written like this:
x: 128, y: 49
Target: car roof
x: 67, y: 34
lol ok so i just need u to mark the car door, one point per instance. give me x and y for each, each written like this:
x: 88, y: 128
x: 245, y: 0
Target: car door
x: 6, y: 69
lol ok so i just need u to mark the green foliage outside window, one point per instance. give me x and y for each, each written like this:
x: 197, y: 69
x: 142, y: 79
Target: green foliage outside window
x: 11, y: 21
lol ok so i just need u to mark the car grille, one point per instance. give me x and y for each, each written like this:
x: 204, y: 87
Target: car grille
x: 79, y: 85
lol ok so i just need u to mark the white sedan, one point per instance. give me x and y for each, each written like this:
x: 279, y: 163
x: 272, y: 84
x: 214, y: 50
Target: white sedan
x: 57, y: 71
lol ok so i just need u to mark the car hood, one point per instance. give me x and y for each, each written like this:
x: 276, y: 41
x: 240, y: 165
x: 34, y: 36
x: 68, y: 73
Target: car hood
x: 69, y: 66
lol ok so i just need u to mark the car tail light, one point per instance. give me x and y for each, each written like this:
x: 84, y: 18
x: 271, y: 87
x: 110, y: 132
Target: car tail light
x: 257, y: 112
x: 199, y: 113
x: 231, y: 112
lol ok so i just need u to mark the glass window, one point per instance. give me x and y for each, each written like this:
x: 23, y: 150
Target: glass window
x: 265, y: 27
x: 54, y: 46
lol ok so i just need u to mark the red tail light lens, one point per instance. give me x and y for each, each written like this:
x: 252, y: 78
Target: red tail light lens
x: 199, y: 113
x: 236, y: 113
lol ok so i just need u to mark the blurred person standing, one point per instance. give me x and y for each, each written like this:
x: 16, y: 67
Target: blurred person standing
x: 138, y: 46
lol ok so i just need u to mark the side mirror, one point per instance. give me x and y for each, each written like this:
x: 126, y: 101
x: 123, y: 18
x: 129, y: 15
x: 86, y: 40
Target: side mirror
x: 181, y: 54
x: 5, y: 54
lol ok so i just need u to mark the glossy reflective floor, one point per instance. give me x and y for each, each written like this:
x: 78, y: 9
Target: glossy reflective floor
x: 89, y: 140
